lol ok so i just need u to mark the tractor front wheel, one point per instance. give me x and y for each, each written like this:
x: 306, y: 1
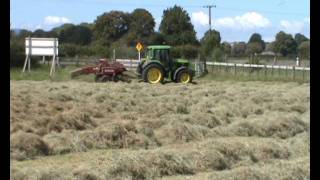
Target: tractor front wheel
x: 184, y: 76
x: 153, y: 74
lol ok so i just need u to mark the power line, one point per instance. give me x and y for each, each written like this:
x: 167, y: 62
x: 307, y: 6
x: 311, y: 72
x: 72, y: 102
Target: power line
x: 193, y: 6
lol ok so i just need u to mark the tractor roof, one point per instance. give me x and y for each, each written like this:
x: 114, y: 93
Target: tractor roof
x: 159, y: 47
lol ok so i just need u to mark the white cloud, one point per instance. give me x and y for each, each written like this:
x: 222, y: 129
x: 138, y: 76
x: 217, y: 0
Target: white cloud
x: 269, y: 38
x: 38, y: 26
x: 226, y: 22
x: 53, y: 20
x: 26, y: 26
x: 200, y: 18
x: 292, y: 26
x: 249, y: 20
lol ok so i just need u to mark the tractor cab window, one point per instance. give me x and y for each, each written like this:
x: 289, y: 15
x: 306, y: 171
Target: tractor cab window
x: 162, y: 55
x: 156, y: 54
x: 149, y: 53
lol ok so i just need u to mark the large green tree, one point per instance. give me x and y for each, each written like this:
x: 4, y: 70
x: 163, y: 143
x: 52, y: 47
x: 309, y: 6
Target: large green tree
x: 238, y: 49
x: 226, y: 49
x: 257, y: 39
x: 176, y: 26
x: 88, y: 25
x: 141, y: 27
x: 285, y: 44
x: 210, y: 47
x: 157, y: 38
x: 209, y: 42
x: 254, y: 48
x: 62, y: 27
x: 44, y: 34
x: 299, y: 38
x: 20, y: 34
x: 304, y: 49
x: 80, y: 35
x: 255, y: 45
x: 111, y: 26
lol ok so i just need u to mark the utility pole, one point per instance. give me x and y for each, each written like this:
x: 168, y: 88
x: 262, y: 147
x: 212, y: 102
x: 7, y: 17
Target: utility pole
x: 209, y: 7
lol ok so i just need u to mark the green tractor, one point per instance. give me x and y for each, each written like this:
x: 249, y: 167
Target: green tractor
x: 159, y: 65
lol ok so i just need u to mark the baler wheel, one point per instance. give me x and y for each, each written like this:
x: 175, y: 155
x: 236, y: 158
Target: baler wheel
x: 98, y: 78
x: 115, y: 78
x: 123, y: 78
x: 105, y: 78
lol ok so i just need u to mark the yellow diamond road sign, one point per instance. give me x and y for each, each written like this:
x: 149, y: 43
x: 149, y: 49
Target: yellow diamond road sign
x: 139, y: 47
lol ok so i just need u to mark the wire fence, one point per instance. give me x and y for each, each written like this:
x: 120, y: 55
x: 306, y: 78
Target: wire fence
x: 255, y: 72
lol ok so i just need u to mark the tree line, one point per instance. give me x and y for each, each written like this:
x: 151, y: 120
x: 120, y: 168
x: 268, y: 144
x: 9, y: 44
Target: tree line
x: 121, y: 31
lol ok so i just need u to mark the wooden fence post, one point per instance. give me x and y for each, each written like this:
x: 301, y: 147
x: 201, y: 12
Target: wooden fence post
x: 243, y: 69
x: 235, y: 69
x: 265, y: 72
x: 250, y: 71
x: 303, y: 73
x: 294, y: 72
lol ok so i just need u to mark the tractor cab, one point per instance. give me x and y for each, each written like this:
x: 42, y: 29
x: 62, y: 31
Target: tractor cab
x: 159, y: 64
x: 161, y: 54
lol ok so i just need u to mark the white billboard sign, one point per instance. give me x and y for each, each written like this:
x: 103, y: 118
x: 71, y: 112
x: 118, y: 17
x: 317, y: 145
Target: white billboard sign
x: 41, y: 46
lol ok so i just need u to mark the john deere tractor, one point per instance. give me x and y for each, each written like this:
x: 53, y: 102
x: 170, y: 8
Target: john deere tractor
x: 159, y: 65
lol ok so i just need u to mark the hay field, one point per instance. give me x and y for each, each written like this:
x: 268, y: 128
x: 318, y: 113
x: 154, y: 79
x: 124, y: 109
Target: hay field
x: 209, y: 130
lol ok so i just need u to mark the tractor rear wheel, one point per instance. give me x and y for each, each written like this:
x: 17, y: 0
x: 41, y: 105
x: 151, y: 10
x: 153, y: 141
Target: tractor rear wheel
x: 153, y: 74
x: 184, y: 76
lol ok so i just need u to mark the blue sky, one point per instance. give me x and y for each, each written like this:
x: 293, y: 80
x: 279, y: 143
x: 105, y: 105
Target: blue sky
x: 236, y: 20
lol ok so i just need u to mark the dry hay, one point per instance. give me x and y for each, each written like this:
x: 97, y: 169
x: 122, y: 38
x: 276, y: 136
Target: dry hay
x: 212, y: 130
x: 27, y: 145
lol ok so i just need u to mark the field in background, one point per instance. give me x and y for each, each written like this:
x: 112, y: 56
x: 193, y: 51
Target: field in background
x: 77, y: 129
x: 257, y: 73
x: 41, y: 73
x: 281, y: 62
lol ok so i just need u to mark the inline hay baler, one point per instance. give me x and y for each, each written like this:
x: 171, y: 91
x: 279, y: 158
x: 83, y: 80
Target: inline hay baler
x: 104, y: 71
